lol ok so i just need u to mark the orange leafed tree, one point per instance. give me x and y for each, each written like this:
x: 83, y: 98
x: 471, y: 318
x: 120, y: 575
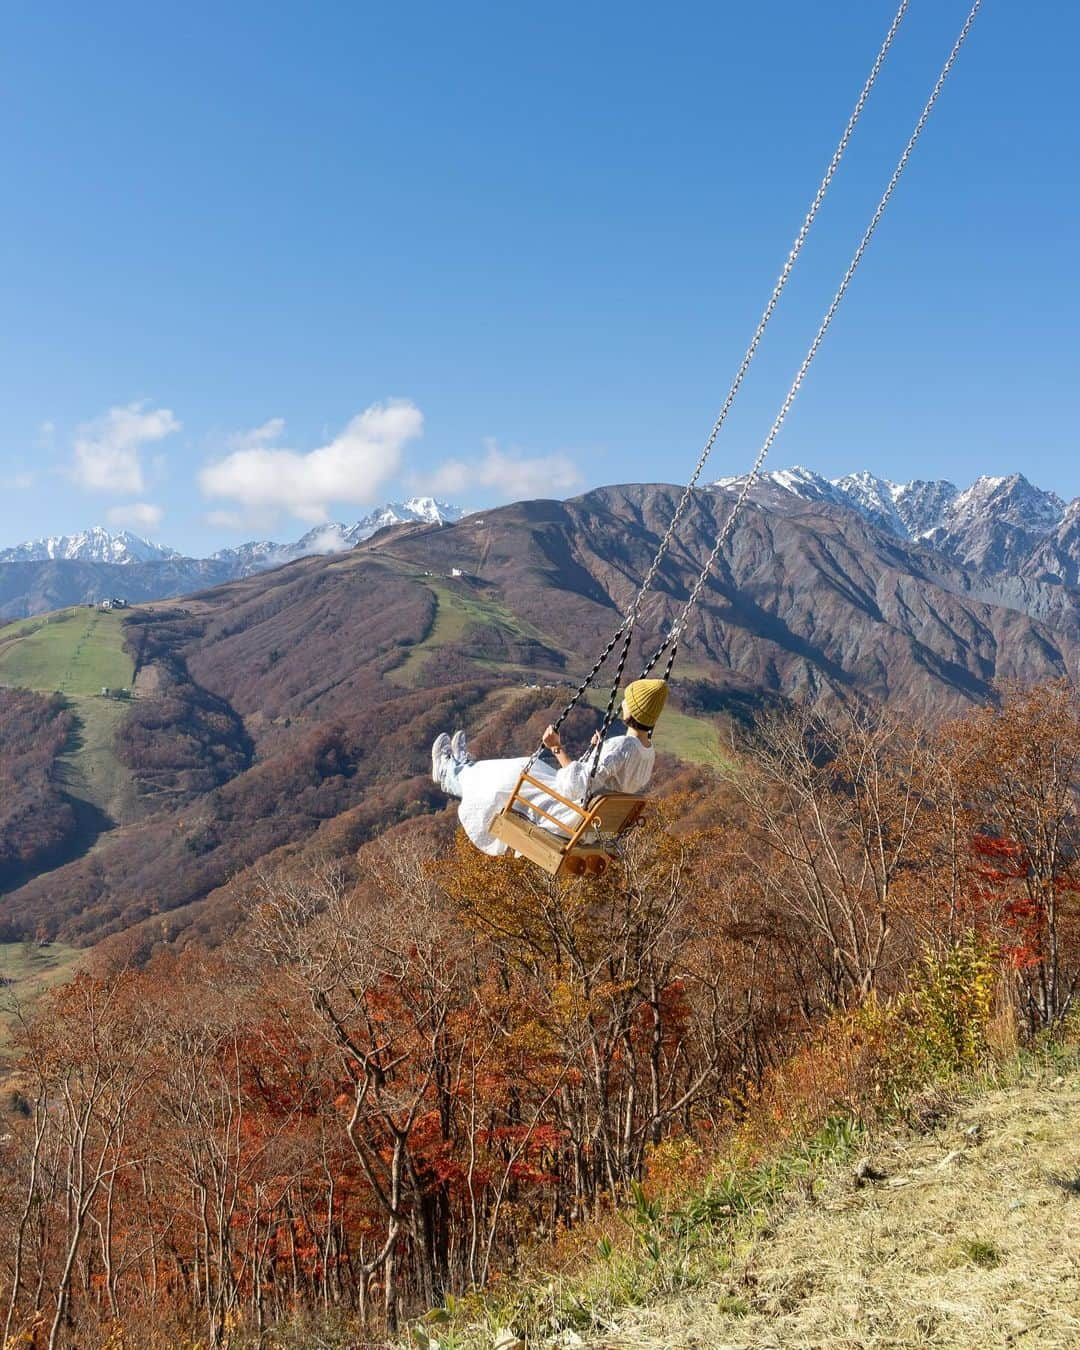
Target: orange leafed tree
x: 400, y: 1074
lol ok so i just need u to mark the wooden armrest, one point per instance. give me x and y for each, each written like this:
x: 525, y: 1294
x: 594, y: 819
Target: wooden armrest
x: 548, y: 791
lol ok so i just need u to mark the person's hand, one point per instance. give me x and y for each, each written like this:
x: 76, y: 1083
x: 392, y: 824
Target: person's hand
x: 595, y: 740
x: 551, y: 739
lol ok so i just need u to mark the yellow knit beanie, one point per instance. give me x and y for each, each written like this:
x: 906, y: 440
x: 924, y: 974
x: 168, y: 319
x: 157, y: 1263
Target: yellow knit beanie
x: 645, y: 701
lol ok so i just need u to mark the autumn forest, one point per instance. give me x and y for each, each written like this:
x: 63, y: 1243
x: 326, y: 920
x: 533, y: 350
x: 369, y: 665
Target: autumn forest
x: 408, y: 1070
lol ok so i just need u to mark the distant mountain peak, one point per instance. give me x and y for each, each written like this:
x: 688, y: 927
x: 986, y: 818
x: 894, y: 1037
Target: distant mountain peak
x: 922, y: 505
x: 431, y: 509
x: 122, y: 548
x: 876, y: 498
x: 417, y: 510
x: 996, y: 525
x: 96, y: 545
x: 1013, y: 499
x: 801, y: 481
x: 335, y: 537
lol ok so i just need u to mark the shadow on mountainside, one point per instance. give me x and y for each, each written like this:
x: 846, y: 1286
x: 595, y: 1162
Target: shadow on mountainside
x: 89, y: 821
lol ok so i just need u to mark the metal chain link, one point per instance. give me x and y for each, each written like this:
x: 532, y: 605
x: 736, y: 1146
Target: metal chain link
x: 672, y: 640
x: 627, y: 625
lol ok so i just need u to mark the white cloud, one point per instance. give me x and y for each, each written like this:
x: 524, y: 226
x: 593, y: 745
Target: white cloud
x: 248, y: 523
x: 267, y: 434
x: 136, y: 515
x: 327, y: 540
x: 107, y: 450
x: 228, y: 520
x: 507, y: 475
x: 265, y: 478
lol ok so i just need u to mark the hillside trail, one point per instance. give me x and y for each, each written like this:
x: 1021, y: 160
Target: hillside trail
x: 970, y: 1239
x: 89, y: 769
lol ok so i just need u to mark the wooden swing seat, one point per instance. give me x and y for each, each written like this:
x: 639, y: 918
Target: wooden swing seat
x: 572, y: 851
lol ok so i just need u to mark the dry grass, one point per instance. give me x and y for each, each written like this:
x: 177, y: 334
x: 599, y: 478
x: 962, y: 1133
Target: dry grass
x: 971, y: 1238
x: 28, y: 970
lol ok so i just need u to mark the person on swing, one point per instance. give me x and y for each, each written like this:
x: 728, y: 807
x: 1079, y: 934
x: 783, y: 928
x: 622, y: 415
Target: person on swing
x: 486, y: 785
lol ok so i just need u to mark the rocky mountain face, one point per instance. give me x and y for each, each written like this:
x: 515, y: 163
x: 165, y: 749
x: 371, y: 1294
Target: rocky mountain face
x: 1057, y: 557
x: 810, y: 603
x: 997, y: 523
x: 922, y: 506
x: 1002, y: 527
x: 46, y: 574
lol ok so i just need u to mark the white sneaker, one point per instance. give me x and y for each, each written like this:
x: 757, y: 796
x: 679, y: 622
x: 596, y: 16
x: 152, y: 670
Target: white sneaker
x: 459, y: 747
x: 440, y: 750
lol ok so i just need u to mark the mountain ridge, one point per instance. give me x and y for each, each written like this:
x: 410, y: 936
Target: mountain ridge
x: 49, y: 573
x: 123, y: 547
x: 95, y: 545
x: 295, y: 708
x: 999, y: 525
x: 1013, y: 534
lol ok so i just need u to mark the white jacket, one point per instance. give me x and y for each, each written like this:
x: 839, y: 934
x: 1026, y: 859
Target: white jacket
x: 626, y: 765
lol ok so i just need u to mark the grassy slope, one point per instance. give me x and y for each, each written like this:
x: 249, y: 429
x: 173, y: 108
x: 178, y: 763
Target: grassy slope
x: 26, y: 972
x: 74, y: 652
x: 971, y: 1239
x: 89, y: 768
x: 455, y: 613
x: 693, y: 739
x: 77, y: 652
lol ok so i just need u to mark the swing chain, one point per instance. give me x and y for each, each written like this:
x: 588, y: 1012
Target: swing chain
x: 673, y: 636
x: 767, y: 313
x: 630, y: 619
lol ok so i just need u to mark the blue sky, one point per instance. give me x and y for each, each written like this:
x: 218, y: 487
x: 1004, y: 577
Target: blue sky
x: 253, y: 253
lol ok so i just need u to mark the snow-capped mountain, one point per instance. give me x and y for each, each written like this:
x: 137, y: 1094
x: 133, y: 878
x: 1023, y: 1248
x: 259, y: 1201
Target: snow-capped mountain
x: 922, y: 506
x: 94, y: 545
x: 334, y: 537
x: 72, y: 569
x: 99, y: 545
x: 422, y: 510
x: 1012, y: 500
x: 876, y: 498
x: 1057, y: 558
x: 910, y: 510
x: 997, y: 525
x: 799, y: 482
